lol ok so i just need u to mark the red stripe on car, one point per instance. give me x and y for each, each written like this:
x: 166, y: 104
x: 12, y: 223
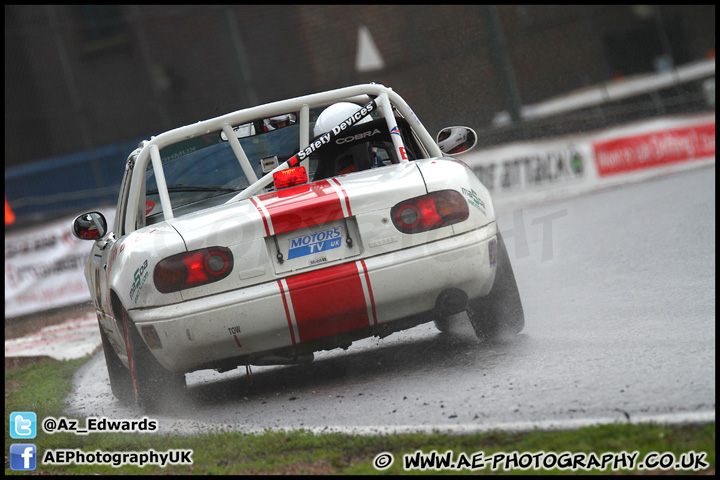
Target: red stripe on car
x: 301, y: 206
x: 328, y: 301
x: 262, y: 214
x: 344, y: 195
x: 287, y: 311
x: 370, y: 292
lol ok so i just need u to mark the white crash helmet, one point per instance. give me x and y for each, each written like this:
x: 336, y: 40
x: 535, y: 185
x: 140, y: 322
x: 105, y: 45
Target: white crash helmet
x: 456, y: 138
x: 335, y: 114
x: 272, y: 122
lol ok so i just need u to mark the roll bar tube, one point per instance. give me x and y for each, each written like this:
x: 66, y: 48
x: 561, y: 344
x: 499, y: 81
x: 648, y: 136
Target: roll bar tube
x: 385, y: 97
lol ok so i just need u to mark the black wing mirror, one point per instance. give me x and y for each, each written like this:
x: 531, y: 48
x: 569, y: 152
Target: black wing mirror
x: 89, y: 226
x: 456, y: 140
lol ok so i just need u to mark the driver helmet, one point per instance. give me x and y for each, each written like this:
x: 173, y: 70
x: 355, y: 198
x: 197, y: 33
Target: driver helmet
x: 335, y: 114
x: 275, y: 122
x: 451, y: 140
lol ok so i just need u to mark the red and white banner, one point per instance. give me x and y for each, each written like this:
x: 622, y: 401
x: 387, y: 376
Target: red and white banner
x: 655, y: 149
x: 44, y: 268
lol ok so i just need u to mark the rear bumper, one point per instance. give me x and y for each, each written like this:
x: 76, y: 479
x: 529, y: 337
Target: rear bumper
x: 318, y: 304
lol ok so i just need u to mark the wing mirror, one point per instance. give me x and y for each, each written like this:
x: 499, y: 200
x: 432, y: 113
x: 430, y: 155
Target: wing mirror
x: 456, y: 140
x: 89, y: 226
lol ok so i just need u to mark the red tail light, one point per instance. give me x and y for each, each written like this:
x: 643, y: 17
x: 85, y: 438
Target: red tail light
x: 192, y: 269
x: 434, y: 210
x: 290, y: 177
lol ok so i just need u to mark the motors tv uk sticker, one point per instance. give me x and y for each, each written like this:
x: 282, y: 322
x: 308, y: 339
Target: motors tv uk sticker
x: 316, y: 242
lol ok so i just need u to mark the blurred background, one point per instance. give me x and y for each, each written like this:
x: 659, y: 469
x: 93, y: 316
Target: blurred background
x: 85, y: 83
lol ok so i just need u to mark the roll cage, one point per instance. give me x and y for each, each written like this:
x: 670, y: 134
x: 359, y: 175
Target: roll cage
x: 374, y: 97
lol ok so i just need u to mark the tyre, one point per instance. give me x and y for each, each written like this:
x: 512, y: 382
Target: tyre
x: 499, y: 314
x: 155, y: 387
x: 120, y: 379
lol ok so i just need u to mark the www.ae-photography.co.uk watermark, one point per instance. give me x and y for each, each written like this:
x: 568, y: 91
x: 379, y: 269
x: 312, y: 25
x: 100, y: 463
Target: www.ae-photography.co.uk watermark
x: 579, y: 461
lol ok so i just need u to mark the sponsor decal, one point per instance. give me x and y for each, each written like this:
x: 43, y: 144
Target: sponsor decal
x: 140, y: 276
x: 149, y: 206
x: 310, y: 149
x: 395, y: 131
x: 403, y: 153
x: 492, y: 252
x: 355, y: 138
x: 152, y: 339
x: 178, y: 154
x: 327, y: 137
x: 354, y: 118
x: 474, y: 200
x: 317, y: 261
x: 317, y: 242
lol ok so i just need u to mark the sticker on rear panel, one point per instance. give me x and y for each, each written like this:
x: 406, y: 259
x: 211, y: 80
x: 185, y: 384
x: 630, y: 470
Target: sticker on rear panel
x: 492, y: 251
x: 151, y: 337
x: 317, y: 242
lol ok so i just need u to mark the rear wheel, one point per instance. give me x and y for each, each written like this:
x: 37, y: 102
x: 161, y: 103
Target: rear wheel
x: 120, y: 379
x: 154, y: 385
x: 500, y: 314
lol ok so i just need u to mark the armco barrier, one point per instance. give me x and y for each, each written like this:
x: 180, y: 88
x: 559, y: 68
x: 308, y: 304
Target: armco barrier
x: 44, y: 266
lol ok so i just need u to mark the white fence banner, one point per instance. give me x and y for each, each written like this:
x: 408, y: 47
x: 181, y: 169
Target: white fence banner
x: 44, y: 267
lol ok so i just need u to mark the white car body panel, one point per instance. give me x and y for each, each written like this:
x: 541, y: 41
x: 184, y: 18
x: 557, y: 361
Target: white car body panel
x: 225, y: 325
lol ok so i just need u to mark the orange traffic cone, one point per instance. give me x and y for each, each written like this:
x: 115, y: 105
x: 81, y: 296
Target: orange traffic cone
x: 9, y: 215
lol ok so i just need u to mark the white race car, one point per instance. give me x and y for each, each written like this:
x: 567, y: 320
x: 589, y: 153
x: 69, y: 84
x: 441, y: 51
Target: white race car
x: 267, y: 234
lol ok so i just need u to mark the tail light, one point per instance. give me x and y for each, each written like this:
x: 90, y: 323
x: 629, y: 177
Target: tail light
x: 290, y: 177
x: 192, y: 269
x: 434, y: 210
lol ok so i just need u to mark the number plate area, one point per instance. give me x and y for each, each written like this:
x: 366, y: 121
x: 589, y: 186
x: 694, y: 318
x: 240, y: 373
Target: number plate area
x: 316, y: 245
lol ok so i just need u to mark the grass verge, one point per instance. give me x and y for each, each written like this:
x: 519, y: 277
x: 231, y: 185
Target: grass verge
x: 41, y: 388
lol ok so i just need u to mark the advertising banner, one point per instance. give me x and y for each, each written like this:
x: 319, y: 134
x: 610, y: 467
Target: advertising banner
x: 654, y: 149
x: 44, y: 268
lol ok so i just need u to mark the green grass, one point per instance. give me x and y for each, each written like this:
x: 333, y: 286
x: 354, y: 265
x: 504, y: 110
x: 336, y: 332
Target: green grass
x: 43, y: 386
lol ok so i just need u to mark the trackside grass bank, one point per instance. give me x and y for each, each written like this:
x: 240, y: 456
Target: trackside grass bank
x: 41, y: 387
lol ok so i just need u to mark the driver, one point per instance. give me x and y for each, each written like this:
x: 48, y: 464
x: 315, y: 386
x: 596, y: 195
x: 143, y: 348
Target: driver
x: 278, y: 121
x: 333, y: 116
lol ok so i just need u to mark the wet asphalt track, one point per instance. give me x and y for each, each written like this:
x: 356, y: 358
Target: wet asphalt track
x: 619, y: 294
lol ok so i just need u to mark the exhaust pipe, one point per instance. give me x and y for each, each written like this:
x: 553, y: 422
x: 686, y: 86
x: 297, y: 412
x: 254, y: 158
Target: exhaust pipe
x: 451, y: 301
x: 263, y: 360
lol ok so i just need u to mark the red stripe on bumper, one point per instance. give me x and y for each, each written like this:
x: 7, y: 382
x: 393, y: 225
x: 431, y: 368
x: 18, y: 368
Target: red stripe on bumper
x: 328, y: 301
x: 287, y: 311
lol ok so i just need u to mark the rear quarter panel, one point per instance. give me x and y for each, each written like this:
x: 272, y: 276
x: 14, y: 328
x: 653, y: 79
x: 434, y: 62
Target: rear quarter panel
x: 132, y: 261
x: 453, y: 174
